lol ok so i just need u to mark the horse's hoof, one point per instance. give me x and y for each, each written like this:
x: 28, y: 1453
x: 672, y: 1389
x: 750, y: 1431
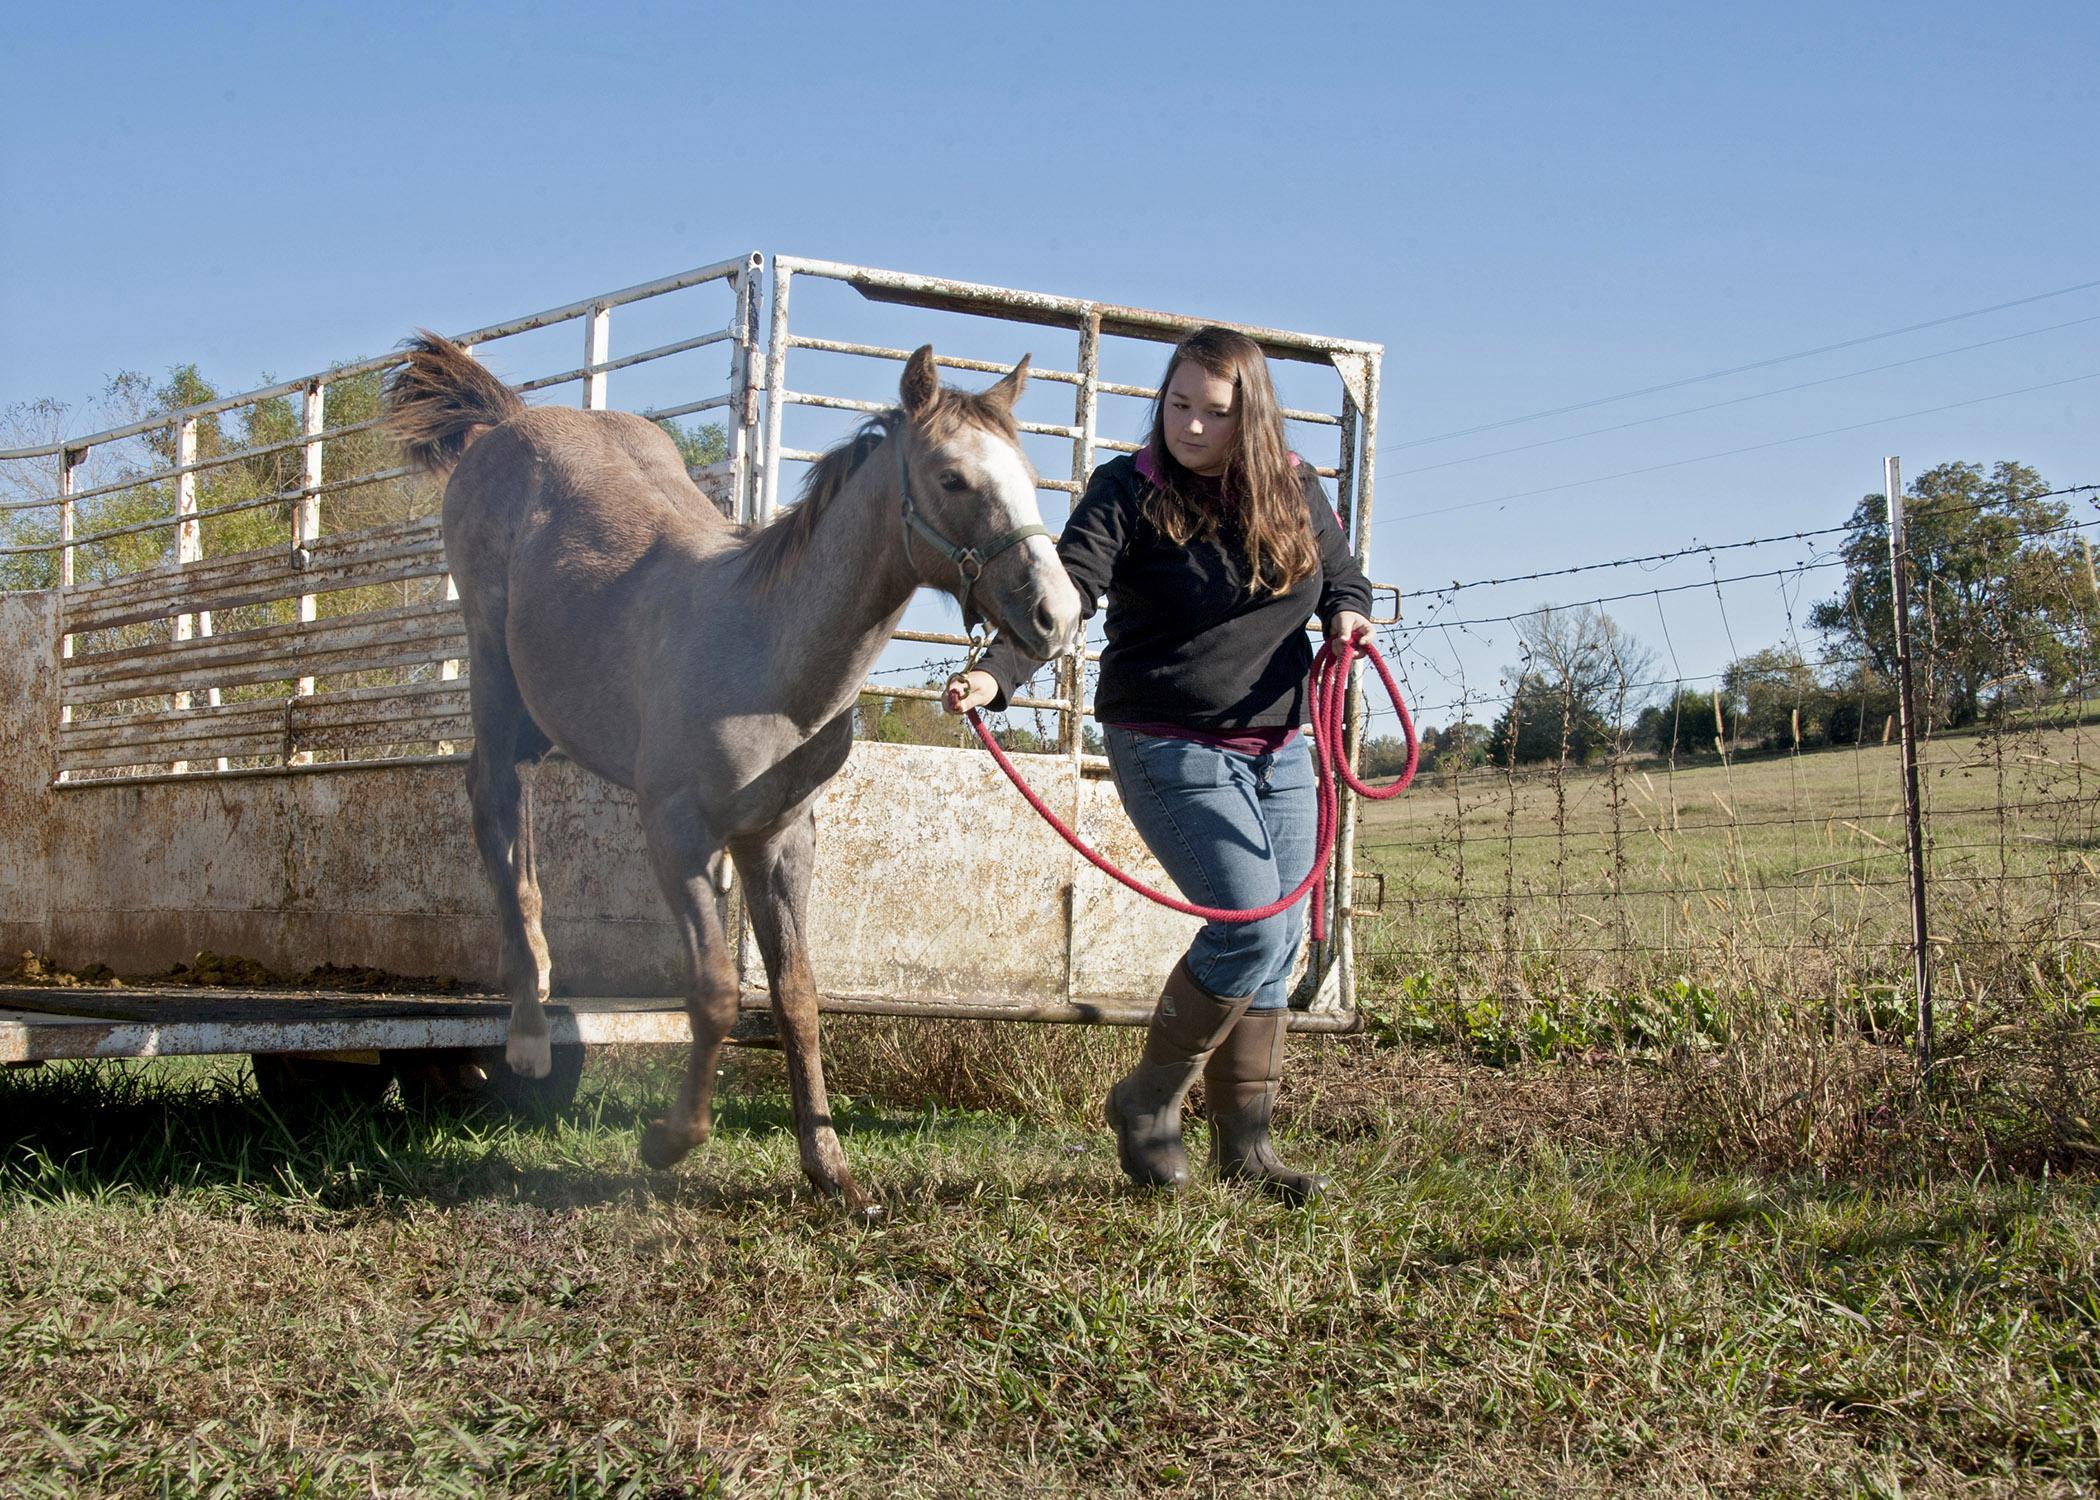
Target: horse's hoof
x: 529, y: 1056
x: 662, y: 1147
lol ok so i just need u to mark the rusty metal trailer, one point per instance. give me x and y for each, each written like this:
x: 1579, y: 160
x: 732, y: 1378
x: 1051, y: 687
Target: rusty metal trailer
x: 239, y: 702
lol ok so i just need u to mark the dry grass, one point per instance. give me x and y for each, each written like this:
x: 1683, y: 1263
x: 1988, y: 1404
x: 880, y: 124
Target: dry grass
x: 1043, y: 1073
x: 1783, y: 874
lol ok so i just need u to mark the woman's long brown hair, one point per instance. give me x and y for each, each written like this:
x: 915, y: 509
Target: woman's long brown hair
x: 1261, y: 487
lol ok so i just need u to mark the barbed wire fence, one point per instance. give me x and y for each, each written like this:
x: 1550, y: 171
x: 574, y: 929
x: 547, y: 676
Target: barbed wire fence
x: 1646, y: 855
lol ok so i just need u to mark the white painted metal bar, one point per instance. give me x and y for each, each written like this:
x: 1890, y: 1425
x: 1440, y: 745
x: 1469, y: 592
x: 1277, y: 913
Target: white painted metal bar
x: 1343, y: 928
x: 606, y: 366
x: 710, y: 403
x: 224, y: 458
x: 187, y: 547
x: 941, y: 361
x: 597, y: 349
x: 777, y: 342
x: 43, y: 1036
x: 876, y: 408
x: 69, y: 467
x: 158, y: 523
x: 306, y: 516
x: 742, y: 430
x: 1067, y: 312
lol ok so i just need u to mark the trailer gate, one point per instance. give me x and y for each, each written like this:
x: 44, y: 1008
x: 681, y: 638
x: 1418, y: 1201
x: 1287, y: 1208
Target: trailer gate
x: 246, y: 695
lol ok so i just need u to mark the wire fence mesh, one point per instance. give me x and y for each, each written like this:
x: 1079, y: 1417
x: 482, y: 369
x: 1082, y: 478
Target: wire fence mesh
x: 1616, y: 841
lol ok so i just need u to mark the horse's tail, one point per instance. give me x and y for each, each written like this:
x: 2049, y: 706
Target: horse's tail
x: 441, y: 400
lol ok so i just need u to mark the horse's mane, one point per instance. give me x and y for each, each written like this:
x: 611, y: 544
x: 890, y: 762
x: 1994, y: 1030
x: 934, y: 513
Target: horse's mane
x: 772, y: 551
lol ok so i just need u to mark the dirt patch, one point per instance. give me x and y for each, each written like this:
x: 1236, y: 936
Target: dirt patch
x: 32, y: 968
x: 231, y: 971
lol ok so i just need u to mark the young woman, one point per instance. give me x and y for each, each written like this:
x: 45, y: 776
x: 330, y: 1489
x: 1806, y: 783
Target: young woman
x: 1214, y: 544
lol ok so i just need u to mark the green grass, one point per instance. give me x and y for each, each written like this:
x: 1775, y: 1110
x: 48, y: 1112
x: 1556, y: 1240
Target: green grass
x: 1781, y: 875
x: 1508, y: 1294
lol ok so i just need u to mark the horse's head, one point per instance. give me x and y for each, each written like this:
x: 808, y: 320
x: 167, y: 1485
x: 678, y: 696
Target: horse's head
x: 972, y: 524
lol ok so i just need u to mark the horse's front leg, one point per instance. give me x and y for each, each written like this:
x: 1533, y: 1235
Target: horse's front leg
x: 685, y: 854
x: 776, y: 871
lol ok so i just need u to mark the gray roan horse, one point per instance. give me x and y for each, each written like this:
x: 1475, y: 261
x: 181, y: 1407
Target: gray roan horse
x: 612, y: 612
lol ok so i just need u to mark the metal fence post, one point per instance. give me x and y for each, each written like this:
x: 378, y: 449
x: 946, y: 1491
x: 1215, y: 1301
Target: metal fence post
x: 188, y: 542
x: 1342, y: 929
x: 597, y: 349
x: 1071, y: 670
x: 1907, y: 721
x: 768, y: 499
x: 70, y: 462
x: 742, y: 427
x: 306, y: 527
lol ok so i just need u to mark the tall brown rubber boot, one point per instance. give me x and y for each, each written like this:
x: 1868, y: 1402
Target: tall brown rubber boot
x: 1239, y: 1091
x: 1144, y: 1105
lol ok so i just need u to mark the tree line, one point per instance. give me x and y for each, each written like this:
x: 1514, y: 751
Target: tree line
x: 250, y: 466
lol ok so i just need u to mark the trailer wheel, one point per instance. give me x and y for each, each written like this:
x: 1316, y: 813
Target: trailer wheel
x: 294, y: 1084
x: 469, y: 1077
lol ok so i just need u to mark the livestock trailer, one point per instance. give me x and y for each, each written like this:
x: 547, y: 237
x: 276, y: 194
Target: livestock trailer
x: 237, y: 675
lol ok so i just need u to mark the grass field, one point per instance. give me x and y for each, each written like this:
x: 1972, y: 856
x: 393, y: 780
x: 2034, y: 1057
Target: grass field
x: 1697, y: 1233
x: 1521, y: 1286
x: 1781, y: 874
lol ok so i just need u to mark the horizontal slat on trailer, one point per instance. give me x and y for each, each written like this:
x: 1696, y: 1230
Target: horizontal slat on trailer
x: 440, y: 703
x: 380, y: 554
x: 458, y: 728
x: 423, y: 702
x: 314, y: 1025
x: 380, y: 657
x: 370, y: 641
x: 347, y: 720
x: 128, y: 731
x: 255, y: 643
x: 192, y: 748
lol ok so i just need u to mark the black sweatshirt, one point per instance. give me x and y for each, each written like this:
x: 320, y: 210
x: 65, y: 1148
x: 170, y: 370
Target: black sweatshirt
x: 1188, y: 642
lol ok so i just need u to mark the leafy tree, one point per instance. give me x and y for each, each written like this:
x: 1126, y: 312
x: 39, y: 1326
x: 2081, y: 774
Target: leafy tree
x: 1386, y: 755
x: 1680, y: 725
x: 1993, y: 595
x: 1545, y: 721
x: 1460, y: 746
x: 1862, y: 702
x: 1581, y: 672
x: 1764, y: 690
x: 700, y: 444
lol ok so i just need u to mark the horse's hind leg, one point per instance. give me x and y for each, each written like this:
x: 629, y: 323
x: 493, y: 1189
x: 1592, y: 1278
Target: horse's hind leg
x: 503, y: 734
x: 776, y: 873
x: 685, y: 855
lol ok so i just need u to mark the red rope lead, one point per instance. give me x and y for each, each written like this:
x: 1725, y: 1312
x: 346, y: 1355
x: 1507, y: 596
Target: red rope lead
x: 1330, y: 694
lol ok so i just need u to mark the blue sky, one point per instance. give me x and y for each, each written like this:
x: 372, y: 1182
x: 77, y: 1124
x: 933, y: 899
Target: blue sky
x: 1529, y: 206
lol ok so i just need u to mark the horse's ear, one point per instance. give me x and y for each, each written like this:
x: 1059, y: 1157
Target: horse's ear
x: 921, y: 383
x: 1008, y: 391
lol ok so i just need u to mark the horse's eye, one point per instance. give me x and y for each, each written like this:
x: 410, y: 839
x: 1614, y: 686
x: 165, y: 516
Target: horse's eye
x: 953, y: 482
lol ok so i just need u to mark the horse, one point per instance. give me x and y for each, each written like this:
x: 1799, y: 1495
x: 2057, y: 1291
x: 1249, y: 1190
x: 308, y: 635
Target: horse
x: 614, y: 614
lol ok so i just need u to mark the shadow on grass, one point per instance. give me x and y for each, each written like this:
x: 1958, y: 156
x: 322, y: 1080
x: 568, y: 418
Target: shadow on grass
x: 97, y: 1131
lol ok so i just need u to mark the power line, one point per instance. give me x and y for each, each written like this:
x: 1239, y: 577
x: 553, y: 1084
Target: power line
x: 1690, y: 411
x: 1679, y: 463
x: 1698, y: 549
x: 1395, y: 631
x: 1762, y: 364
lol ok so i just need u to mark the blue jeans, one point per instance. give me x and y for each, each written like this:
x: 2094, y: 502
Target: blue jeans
x: 1233, y: 831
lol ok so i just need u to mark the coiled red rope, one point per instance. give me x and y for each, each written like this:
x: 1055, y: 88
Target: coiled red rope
x: 1330, y: 696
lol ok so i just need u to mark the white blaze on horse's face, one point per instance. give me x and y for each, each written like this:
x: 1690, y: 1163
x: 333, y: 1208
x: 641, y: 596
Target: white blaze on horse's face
x: 987, y: 490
